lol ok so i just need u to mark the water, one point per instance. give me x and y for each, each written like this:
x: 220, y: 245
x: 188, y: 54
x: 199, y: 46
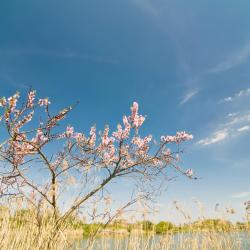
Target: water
x: 178, y: 241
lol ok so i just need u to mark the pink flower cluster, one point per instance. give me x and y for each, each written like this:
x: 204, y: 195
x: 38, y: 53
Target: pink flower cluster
x: 167, y: 156
x: 44, y: 102
x: 189, y: 172
x: 20, y: 146
x: 79, y: 137
x: 60, y: 116
x: 109, y: 154
x: 142, y: 143
x: 69, y: 131
x: 137, y: 120
x: 123, y: 145
x: 31, y: 98
x: 92, y: 138
x: 40, y: 138
x: 107, y: 147
x: 105, y: 137
x: 18, y: 150
x: 12, y: 101
x: 123, y: 134
x: 70, y: 134
x: 25, y: 120
x: 134, y: 120
x: 178, y: 138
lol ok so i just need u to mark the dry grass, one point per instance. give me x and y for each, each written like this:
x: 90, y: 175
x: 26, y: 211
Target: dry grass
x: 24, y: 231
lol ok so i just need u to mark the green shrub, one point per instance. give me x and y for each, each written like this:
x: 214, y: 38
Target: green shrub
x: 147, y: 225
x: 163, y: 227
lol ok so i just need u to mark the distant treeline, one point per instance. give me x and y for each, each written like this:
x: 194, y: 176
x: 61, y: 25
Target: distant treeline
x: 164, y: 226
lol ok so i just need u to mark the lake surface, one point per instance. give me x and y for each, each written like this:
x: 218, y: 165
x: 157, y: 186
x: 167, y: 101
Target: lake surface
x: 178, y: 241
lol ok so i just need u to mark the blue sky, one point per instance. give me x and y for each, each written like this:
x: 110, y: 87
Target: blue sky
x: 185, y: 62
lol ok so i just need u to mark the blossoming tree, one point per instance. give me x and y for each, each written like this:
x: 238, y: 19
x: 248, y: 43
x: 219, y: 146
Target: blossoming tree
x: 38, y: 160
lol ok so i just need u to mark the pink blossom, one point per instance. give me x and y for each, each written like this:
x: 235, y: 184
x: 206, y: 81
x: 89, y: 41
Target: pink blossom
x: 168, y: 138
x: 92, y: 138
x: 69, y: 131
x: 60, y: 116
x: 31, y: 98
x: 125, y: 133
x: 120, y: 150
x: 189, y: 172
x: 183, y: 136
x: 137, y: 120
x: 167, y: 152
x: 134, y: 110
x: 105, y: 138
x: 125, y: 121
x: 79, y: 137
x: 167, y: 157
x: 20, y: 147
x: 44, y: 102
x: 109, y: 154
x: 111, y: 149
x: 118, y: 133
x: 12, y: 101
x: 40, y: 138
x: 25, y: 120
x: 163, y: 138
x: 127, y: 125
x: 179, y: 137
x: 124, y: 150
x: 142, y: 143
x: 177, y: 157
x: 121, y: 134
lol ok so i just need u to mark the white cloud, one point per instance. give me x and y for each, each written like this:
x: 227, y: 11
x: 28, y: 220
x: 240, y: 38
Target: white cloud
x: 244, y: 128
x: 237, y: 123
x: 232, y: 114
x: 238, y: 119
x: 233, y: 60
x: 241, y: 93
x: 228, y: 99
x: 189, y: 96
x: 241, y: 195
x: 217, y: 136
x: 245, y: 92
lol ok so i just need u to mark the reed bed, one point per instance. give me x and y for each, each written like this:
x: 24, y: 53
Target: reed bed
x: 29, y: 230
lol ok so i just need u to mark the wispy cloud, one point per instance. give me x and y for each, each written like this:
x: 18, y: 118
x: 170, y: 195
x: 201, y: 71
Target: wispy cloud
x: 241, y: 93
x: 232, y: 114
x: 244, y: 128
x: 189, y: 95
x: 217, y: 136
x: 233, y: 60
x: 235, y: 125
x: 242, y: 118
x: 241, y: 195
